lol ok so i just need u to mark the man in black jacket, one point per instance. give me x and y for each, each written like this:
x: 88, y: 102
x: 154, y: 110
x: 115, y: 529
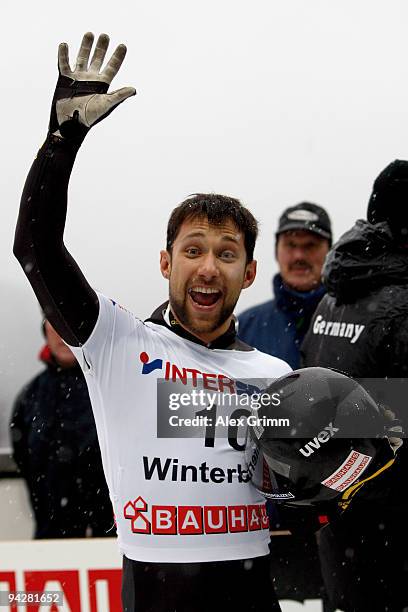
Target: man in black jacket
x: 361, y: 328
x: 56, y: 449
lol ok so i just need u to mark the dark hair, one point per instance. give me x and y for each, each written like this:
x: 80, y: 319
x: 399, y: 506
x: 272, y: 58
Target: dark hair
x: 216, y: 208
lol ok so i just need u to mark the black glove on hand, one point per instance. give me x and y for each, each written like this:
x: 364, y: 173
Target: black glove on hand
x: 81, y: 98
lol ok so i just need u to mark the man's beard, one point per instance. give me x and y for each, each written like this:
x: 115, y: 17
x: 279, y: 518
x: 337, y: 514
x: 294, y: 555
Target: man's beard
x: 179, y: 308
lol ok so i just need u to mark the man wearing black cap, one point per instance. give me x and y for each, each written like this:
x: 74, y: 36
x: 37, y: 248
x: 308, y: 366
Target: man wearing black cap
x: 278, y: 326
x: 361, y: 328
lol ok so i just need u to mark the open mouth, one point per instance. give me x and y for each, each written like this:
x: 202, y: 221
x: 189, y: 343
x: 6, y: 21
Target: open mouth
x: 204, y: 296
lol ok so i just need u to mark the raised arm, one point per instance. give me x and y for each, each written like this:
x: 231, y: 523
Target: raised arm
x: 80, y: 101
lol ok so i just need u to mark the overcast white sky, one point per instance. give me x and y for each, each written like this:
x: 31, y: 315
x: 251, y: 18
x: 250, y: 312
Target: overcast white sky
x: 270, y: 101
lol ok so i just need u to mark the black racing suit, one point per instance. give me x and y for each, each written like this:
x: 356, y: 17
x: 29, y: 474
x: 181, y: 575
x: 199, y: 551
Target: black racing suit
x: 361, y: 328
x: 71, y: 305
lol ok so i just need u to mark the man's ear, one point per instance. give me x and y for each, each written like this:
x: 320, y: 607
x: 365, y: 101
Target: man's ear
x: 250, y: 274
x: 165, y: 264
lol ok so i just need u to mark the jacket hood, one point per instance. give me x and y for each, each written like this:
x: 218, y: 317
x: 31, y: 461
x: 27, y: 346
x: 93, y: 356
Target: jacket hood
x: 365, y: 259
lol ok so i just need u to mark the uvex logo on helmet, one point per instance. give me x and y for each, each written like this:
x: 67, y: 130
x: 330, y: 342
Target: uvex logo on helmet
x: 322, y: 437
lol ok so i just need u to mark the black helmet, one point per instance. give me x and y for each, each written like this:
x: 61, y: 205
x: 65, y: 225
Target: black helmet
x: 319, y: 435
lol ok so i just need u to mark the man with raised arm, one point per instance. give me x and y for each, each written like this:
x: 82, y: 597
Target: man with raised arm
x: 193, y: 531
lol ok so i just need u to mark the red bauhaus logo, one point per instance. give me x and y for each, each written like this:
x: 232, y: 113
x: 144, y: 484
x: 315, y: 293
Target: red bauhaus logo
x: 194, y: 520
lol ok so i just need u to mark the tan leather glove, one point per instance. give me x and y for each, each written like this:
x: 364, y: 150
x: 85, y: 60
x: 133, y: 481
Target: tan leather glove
x: 81, y: 98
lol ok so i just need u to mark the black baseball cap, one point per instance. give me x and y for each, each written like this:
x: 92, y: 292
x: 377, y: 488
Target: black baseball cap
x: 306, y: 216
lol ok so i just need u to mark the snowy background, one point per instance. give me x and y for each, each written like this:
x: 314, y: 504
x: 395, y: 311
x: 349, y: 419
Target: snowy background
x: 270, y: 101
